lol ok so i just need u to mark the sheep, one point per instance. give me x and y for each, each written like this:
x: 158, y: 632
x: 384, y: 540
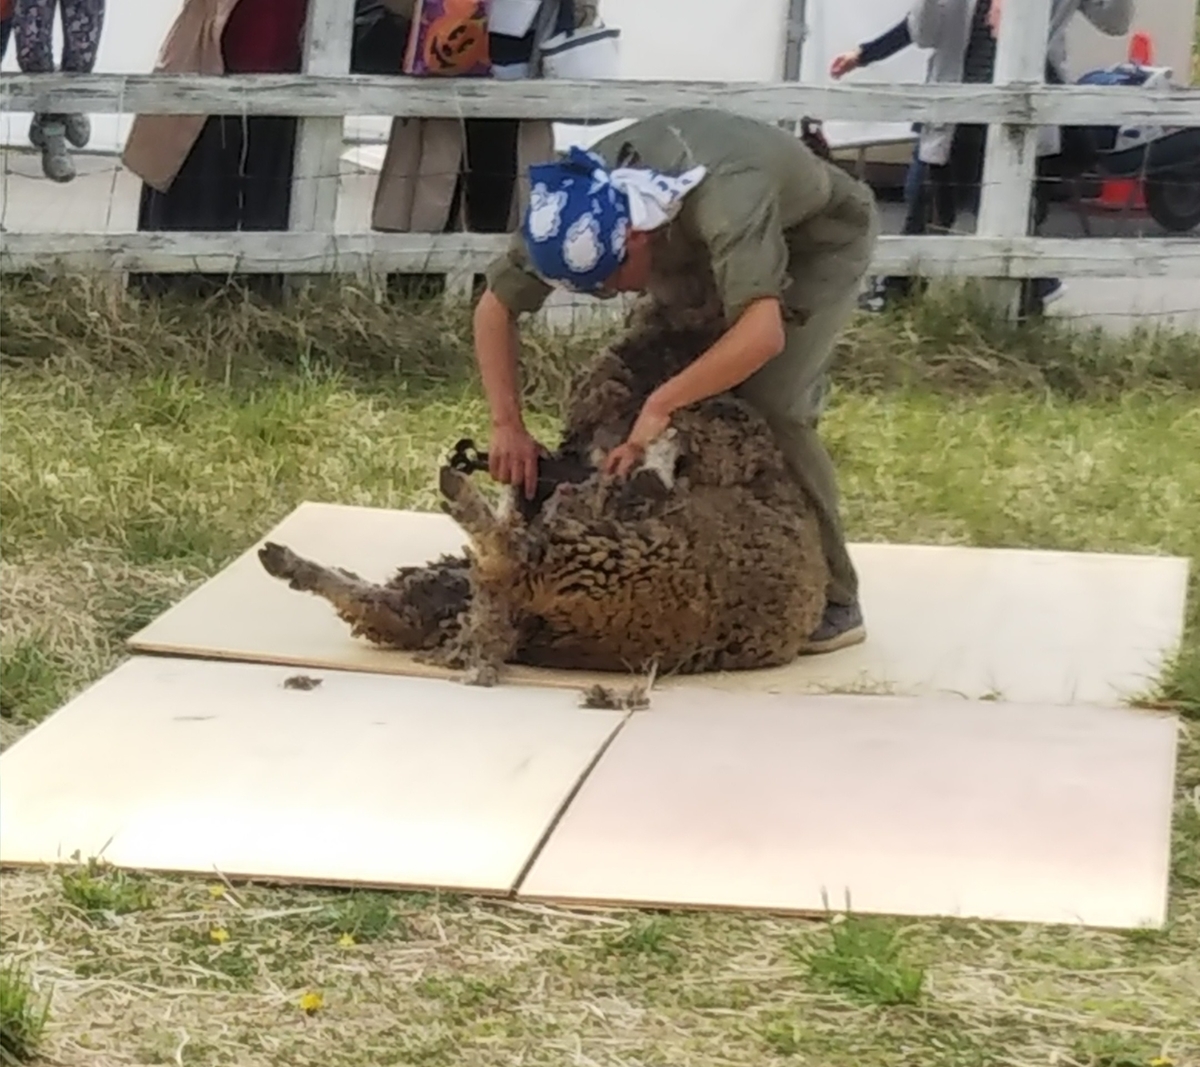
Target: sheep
x: 708, y: 558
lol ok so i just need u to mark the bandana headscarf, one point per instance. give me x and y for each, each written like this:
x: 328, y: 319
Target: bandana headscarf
x: 580, y: 214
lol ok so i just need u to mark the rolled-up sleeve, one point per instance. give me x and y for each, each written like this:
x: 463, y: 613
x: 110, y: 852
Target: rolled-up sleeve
x: 738, y: 220
x: 513, y: 281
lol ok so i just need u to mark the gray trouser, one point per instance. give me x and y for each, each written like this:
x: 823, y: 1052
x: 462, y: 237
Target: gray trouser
x: 789, y: 393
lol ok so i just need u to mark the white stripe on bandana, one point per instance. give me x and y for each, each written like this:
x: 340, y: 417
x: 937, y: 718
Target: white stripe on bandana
x: 654, y: 198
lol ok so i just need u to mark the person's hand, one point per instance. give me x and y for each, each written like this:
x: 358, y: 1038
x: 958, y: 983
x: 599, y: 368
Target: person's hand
x: 513, y: 457
x: 845, y: 63
x: 993, y: 17
x: 651, y: 423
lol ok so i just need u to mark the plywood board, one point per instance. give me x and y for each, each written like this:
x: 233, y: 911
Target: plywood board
x: 189, y: 765
x: 1025, y: 626
x: 895, y: 805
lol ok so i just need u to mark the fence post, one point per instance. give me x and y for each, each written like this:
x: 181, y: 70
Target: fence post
x: 319, y: 141
x: 795, y: 30
x: 1011, y: 155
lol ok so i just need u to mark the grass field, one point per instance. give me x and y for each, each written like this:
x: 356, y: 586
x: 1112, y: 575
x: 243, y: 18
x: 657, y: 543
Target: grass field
x: 142, y: 449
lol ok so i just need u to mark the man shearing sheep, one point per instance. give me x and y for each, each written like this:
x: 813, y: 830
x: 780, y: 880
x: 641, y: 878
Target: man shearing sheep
x: 688, y: 205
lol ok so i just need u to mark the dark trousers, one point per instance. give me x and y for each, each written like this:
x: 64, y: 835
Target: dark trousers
x: 238, y: 176
x: 939, y: 192
x: 916, y: 211
x: 489, y: 174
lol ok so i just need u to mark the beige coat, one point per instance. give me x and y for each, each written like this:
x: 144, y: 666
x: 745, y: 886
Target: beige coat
x: 158, y: 145
x: 423, y: 158
x: 420, y: 172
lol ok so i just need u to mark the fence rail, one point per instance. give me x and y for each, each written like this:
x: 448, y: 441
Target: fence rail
x: 1014, y: 107
x: 464, y: 253
x: 326, y: 95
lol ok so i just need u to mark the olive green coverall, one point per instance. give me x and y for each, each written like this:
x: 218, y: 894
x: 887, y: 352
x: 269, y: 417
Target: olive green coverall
x: 770, y: 219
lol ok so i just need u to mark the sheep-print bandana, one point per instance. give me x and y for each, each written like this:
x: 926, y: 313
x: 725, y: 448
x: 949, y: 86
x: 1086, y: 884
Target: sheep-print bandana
x: 580, y: 214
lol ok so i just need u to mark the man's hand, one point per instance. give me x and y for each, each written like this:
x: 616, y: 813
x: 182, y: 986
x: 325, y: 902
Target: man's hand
x: 845, y: 63
x: 651, y: 423
x: 513, y: 454
x: 993, y: 18
x: 513, y: 457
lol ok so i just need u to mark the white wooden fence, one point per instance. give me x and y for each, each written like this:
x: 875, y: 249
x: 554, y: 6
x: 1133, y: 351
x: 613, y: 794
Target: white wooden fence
x: 1015, y: 105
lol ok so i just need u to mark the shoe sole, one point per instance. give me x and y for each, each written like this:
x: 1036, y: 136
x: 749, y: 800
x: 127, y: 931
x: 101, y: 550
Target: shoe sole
x: 78, y: 142
x: 855, y: 636
x: 66, y: 176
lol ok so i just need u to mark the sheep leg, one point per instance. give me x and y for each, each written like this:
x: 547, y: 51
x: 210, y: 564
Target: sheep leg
x: 487, y: 639
x: 304, y: 575
x: 385, y: 615
x: 465, y: 504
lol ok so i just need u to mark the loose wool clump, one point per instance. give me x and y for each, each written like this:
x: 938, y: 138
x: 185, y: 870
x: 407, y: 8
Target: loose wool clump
x: 708, y: 558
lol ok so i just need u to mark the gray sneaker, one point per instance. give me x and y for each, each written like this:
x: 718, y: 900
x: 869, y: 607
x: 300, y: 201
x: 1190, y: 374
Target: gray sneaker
x: 79, y: 130
x: 57, y: 164
x: 840, y: 627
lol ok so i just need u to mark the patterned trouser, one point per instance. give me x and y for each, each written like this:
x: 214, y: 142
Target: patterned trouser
x: 34, y: 32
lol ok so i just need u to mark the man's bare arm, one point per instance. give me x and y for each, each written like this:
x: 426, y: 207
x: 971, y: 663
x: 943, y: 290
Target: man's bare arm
x: 512, y: 453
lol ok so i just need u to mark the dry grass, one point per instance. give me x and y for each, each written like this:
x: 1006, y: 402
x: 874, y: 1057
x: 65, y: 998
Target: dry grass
x: 462, y: 981
x: 142, y: 449
x: 949, y: 343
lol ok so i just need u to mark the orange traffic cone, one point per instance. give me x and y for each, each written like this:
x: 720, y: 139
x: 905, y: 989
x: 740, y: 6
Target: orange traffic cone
x: 1141, y: 49
x: 1117, y: 194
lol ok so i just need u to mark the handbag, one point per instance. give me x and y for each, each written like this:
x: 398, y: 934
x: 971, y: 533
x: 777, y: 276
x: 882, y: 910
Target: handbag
x: 449, y: 39
x: 590, y: 52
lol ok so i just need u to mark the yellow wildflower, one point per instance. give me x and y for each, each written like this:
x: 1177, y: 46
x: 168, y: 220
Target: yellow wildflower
x: 311, y: 1002
x: 346, y: 940
x: 216, y: 891
x: 1162, y: 1061
x: 219, y: 934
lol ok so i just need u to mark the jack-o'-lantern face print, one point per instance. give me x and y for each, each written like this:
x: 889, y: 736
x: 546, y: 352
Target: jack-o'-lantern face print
x: 457, y: 39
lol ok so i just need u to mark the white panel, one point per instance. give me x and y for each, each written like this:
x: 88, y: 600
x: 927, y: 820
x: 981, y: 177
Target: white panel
x: 186, y: 765
x: 949, y: 808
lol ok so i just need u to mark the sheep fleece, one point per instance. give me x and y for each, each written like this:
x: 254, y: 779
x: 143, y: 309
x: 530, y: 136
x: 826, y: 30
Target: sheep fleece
x: 708, y: 558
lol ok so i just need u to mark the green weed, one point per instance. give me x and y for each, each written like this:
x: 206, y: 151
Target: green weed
x: 23, y: 1015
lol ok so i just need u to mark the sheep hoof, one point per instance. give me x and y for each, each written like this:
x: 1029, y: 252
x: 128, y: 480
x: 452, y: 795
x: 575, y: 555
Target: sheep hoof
x: 301, y: 574
x: 279, y: 561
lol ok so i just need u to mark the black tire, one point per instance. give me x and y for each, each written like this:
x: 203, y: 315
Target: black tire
x: 1173, y: 199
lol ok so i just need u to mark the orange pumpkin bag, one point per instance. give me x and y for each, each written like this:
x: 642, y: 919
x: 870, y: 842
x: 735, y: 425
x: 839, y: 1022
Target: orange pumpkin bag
x: 449, y: 38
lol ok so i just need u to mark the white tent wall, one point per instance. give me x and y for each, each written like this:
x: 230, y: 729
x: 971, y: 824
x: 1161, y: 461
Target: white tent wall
x: 718, y: 40
x: 835, y: 27
x: 722, y: 40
